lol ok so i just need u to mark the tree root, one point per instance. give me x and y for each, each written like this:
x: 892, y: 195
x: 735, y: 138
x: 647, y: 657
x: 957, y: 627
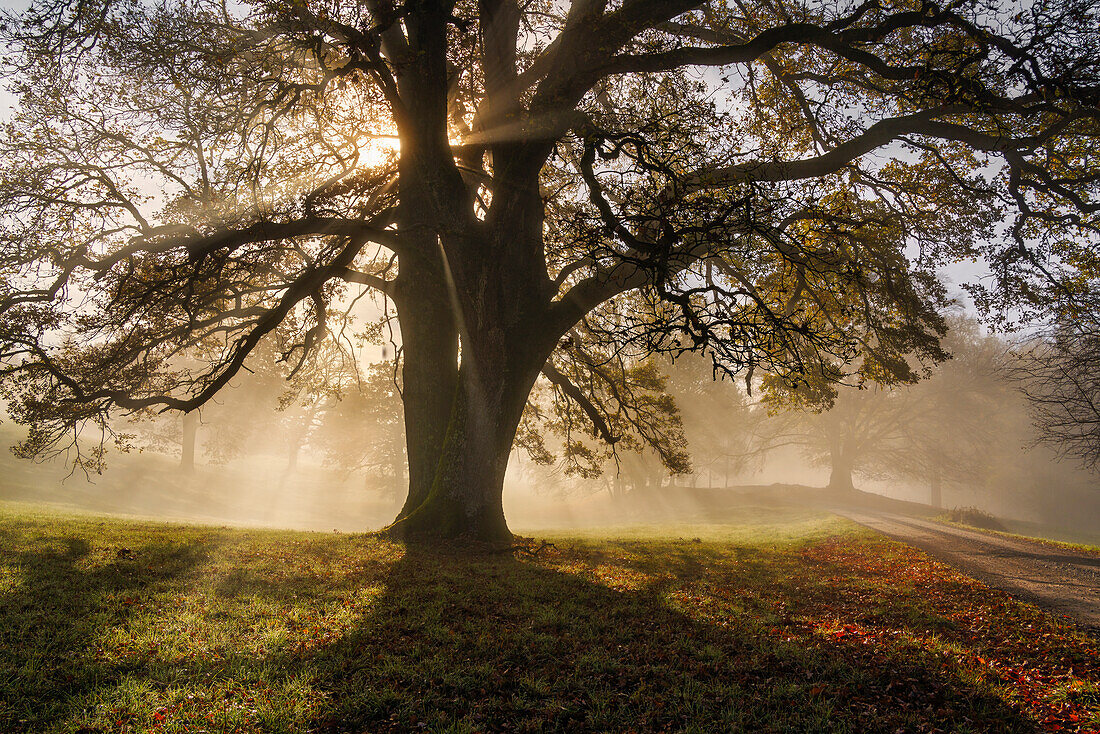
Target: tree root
x: 527, y: 549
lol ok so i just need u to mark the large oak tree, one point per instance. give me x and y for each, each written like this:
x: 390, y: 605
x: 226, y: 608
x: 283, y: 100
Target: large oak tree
x: 770, y: 181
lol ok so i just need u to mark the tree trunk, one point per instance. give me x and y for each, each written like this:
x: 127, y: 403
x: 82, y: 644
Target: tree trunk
x: 483, y: 280
x: 429, y: 376
x: 432, y: 197
x: 936, y: 489
x: 504, y: 343
x: 840, y: 477
x: 466, y: 495
x: 190, y: 432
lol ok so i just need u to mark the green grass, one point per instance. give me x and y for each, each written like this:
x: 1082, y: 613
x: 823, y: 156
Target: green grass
x: 785, y: 621
x: 1030, y: 538
x: 972, y: 517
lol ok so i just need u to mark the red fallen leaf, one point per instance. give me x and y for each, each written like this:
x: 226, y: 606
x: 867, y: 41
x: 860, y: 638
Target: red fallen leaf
x: 817, y: 690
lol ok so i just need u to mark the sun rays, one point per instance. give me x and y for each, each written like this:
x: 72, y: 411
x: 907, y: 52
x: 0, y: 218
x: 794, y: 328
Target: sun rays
x: 376, y: 150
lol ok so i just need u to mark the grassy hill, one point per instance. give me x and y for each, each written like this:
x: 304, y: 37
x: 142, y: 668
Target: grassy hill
x: 780, y: 621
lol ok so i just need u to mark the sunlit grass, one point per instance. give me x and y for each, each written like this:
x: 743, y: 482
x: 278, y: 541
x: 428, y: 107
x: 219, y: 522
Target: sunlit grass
x: 784, y: 621
x: 1031, y: 537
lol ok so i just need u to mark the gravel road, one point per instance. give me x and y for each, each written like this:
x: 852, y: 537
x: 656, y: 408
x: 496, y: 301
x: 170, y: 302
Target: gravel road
x: 1057, y: 579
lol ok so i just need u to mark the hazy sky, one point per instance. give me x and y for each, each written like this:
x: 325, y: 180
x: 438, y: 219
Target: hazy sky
x: 5, y: 98
x: 954, y: 274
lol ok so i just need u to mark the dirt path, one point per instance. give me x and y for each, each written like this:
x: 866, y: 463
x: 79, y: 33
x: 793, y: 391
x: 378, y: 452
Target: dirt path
x: 1057, y: 579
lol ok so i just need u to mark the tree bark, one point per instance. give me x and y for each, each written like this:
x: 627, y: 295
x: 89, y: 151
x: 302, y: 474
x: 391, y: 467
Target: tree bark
x: 466, y: 496
x: 431, y: 193
x: 429, y: 372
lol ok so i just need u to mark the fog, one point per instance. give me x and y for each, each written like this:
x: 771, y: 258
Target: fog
x: 255, y: 490
x: 324, y: 461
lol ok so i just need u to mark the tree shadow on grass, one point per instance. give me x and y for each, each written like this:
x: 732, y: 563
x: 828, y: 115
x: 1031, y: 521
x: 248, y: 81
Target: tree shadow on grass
x: 62, y: 599
x: 581, y: 641
x: 468, y: 644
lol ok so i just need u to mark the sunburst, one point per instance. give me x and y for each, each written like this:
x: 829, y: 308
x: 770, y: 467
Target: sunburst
x: 376, y: 150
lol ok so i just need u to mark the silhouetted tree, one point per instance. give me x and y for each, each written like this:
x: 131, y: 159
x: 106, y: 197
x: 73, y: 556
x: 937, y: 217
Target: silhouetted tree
x: 1059, y: 373
x: 950, y: 427
x: 744, y: 179
x: 715, y: 415
x: 259, y: 410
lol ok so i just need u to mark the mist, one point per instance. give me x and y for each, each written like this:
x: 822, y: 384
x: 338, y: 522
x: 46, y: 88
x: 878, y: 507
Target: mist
x: 308, y: 459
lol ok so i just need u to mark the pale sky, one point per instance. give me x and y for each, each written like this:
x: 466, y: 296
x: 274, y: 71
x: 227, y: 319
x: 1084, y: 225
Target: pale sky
x: 954, y: 274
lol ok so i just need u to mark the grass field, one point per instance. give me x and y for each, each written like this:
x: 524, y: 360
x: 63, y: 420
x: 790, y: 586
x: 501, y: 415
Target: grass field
x: 785, y: 621
x: 1030, y: 537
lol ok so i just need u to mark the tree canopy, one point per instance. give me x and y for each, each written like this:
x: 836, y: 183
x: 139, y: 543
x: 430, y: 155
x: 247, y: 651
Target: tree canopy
x: 772, y: 182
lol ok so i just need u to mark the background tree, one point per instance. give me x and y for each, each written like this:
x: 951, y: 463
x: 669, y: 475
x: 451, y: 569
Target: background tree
x: 960, y: 423
x: 744, y: 179
x: 948, y: 428
x: 361, y: 429
x: 715, y: 414
x: 1059, y: 373
x: 259, y: 410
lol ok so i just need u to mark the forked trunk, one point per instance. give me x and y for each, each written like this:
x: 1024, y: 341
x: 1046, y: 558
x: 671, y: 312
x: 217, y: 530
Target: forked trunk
x: 466, y: 495
x: 483, y: 279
